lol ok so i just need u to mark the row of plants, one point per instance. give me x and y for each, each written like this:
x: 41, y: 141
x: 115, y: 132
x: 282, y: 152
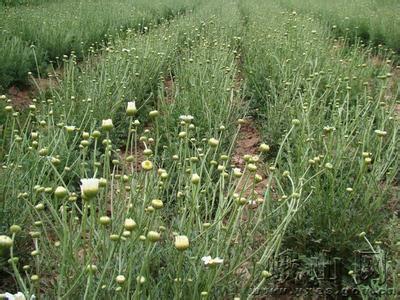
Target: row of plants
x: 37, y: 38
x: 372, y: 21
x: 343, y: 140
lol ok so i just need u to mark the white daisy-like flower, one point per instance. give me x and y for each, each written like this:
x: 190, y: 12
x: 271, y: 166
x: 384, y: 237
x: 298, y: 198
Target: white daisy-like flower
x: 208, y: 261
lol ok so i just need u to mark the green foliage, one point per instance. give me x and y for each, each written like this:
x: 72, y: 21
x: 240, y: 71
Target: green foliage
x: 342, y: 104
x: 373, y: 21
x: 176, y: 166
x: 59, y: 29
x: 24, y: 2
x: 16, y: 60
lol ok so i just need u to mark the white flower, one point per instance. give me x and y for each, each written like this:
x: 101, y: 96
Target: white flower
x: 237, y: 172
x: 90, y: 187
x: 17, y: 296
x: 208, y: 261
x: 252, y: 202
x: 107, y: 124
x: 70, y: 128
x: 186, y: 118
x: 131, y: 108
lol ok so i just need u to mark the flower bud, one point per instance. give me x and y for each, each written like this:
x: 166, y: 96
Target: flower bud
x: 296, y: 122
x: 55, y: 161
x: 154, y: 114
x: 264, y: 148
x: 140, y: 279
x: 247, y: 157
x: 252, y: 167
x: 266, y: 274
x: 102, y: 182
x: 13, y: 260
x: 85, y: 135
x: 34, y: 135
x: 96, y: 134
x: 91, y: 268
x: 368, y: 160
x: 213, y: 142
x: 181, y: 242
x: 15, y: 228
x: 195, y: 179
x: 60, y: 192
x: 105, y: 220
x: 147, y: 152
x: 258, y: 178
x: 126, y: 233
x: 5, y: 241
x: 157, y: 203
x: 34, y: 234
x: 70, y: 129
x: 114, y: 237
x: 120, y: 279
x: 153, y: 236
x: 43, y: 152
x: 147, y: 165
x: 130, y: 224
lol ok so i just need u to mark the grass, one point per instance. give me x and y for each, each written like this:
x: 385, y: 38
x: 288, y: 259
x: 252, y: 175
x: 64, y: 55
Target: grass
x: 346, y: 124
x: 58, y: 29
x: 100, y: 200
x: 372, y: 21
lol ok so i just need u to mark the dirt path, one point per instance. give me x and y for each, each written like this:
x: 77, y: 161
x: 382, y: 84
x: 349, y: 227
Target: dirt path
x: 22, y: 97
x: 248, y: 141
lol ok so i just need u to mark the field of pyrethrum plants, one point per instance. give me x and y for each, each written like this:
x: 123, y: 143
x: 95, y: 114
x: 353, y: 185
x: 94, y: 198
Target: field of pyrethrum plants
x: 187, y: 149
